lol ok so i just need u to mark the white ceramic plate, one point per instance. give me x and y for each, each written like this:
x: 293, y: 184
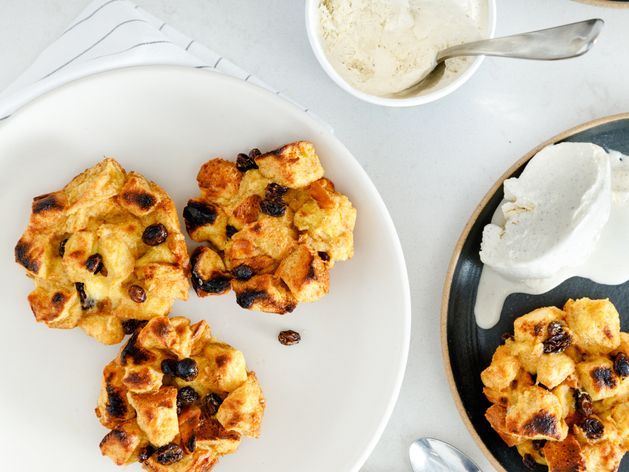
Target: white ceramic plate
x: 328, y: 398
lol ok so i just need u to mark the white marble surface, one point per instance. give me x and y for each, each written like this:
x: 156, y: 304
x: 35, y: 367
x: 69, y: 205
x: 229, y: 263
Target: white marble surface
x: 432, y: 164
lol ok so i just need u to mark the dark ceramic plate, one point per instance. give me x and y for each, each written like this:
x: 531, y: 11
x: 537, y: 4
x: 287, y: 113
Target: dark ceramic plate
x: 468, y: 348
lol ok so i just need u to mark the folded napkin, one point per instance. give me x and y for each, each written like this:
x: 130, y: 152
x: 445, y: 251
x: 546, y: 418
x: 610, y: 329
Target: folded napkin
x: 110, y: 34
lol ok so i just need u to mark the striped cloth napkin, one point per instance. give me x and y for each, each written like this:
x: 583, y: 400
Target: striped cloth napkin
x: 111, y: 34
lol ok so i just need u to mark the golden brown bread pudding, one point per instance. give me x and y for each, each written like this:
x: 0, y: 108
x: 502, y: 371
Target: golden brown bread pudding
x: 104, y: 249
x: 559, y: 387
x: 275, y: 227
x: 176, y: 399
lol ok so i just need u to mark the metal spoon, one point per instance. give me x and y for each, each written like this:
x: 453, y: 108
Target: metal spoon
x: 432, y: 455
x: 560, y: 42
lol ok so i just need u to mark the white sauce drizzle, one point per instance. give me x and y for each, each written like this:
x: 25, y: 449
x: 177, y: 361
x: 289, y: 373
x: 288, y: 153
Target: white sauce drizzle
x: 608, y: 263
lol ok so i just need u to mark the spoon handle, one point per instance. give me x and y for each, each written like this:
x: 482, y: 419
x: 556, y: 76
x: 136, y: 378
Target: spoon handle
x: 549, y: 44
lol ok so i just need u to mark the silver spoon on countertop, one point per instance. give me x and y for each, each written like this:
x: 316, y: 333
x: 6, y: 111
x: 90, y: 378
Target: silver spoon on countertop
x: 560, y: 42
x: 433, y: 455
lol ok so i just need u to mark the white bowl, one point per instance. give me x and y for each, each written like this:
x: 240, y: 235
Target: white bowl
x: 314, y: 36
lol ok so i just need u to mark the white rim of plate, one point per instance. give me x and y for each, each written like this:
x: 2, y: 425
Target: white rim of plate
x: 357, y: 169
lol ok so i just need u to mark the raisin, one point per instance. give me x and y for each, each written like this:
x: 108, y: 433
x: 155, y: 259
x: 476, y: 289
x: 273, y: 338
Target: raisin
x: 131, y: 326
x: 155, y: 235
x: 554, y: 328
x: 199, y: 214
x: 558, y: 340
x: 275, y: 207
x: 289, y: 337
x: 191, y: 445
x: 275, y: 191
x: 528, y: 461
x: 62, y: 247
x: 187, y: 369
x: 538, y: 444
x: 621, y: 365
x: 169, y: 454
x: 245, y: 163
x: 592, y: 428
x: 255, y: 152
x: 186, y: 396
x: 137, y: 294
x: 583, y: 402
x: 169, y: 366
x: 243, y: 272
x: 86, y: 302
x: 506, y: 336
x: 324, y: 256
x: 145, y: 453
x: 230, y: 231
x: 94, y: 263
x: 211, y: 404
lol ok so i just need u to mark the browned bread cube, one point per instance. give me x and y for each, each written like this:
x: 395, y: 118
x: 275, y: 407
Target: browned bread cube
x: 536, y: 414
x: 294, y: 165
x: 209, y: 276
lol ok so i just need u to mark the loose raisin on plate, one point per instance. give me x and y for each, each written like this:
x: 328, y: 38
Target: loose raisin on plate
x: 154, y: 235
x: 211, y: 403
x: 289, y: 337
x: 243, y: 272
x: 131, y: 326
x: 137, y: 294
x: 245, y: 162
x: 583, y: 402
x: 592, y: 428
x: 621, y: 365
x: 169, y: 366
x: 169, y: 454
x: 187, y: 369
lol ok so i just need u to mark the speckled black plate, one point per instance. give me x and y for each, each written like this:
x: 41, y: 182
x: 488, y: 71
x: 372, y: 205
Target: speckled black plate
x: 467, y: 348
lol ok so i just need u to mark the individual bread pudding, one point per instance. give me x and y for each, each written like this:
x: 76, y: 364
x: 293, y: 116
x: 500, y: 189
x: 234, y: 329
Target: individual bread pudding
x: 559, y: 387
x: 104, y: 249
x: 275, y: 227
x: 176, y: 399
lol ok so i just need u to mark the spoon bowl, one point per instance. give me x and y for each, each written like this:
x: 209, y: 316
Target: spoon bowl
x: 433, y: 455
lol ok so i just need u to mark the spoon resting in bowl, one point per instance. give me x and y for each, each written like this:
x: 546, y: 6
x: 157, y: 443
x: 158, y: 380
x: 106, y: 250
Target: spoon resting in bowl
x: 560, y: 42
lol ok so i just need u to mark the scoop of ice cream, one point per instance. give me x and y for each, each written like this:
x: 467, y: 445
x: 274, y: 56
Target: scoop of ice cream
x: 553, y: 212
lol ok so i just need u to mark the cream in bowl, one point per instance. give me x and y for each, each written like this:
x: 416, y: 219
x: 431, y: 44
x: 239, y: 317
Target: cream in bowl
x: 375, y: 48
